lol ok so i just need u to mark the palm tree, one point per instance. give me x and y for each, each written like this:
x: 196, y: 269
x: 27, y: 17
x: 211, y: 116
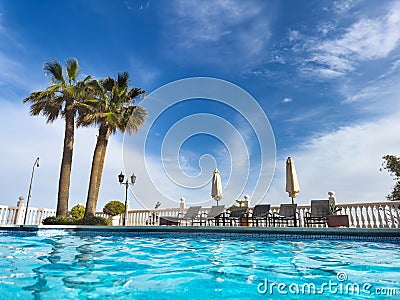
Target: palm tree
x: 112, y: 109
x: 59, y: 99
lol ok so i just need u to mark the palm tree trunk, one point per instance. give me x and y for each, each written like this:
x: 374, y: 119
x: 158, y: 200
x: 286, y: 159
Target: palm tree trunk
x: 97, y: 170
x: 66, y: 162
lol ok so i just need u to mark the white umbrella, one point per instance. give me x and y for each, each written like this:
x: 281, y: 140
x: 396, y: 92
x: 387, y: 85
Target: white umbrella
x: 216, y: 186
x: 292, y: 183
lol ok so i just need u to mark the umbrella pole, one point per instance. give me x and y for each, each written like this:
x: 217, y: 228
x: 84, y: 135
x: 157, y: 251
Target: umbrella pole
x: 295, y: 219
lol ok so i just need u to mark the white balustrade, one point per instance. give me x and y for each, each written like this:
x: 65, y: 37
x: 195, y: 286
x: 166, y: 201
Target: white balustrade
x: 361, y: 215
x: 8, y: 215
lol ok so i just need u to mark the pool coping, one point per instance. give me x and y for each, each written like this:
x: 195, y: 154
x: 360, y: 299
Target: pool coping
x: 368, y: 234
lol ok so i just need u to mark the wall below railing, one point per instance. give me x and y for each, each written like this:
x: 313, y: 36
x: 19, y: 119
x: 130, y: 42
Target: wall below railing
x: 361, y: 215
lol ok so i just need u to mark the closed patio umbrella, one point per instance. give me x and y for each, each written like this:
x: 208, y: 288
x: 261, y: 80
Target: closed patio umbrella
x: 216, y: 186
x: 292, y: 183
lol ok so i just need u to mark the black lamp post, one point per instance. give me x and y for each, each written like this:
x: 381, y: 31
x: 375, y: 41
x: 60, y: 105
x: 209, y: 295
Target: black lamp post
x: 121, y: 178
x: 35, y: 164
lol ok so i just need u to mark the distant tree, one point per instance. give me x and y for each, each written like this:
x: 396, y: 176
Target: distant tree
x: 392, y: 164
x: 112, y: 109
x: 59, y: 100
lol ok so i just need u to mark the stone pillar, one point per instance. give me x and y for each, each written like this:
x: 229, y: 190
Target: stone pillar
x: 182, y: 206
x: 128, y: 204
x: 19, y: 218
x: 246, y: 200
x: 332, y: 198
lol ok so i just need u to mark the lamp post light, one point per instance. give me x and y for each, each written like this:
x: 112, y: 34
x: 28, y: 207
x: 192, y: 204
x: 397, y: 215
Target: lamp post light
x: 121, y: 178
x: 35, y: 164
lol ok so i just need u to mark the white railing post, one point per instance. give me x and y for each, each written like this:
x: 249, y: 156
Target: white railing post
x: 182, y: 206
x: 332, y: 198
x: 19, y: 219
x: 246, y: 201
x: 127, y: 217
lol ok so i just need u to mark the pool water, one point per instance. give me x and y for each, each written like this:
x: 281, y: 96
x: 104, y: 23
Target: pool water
x: 65, y: 266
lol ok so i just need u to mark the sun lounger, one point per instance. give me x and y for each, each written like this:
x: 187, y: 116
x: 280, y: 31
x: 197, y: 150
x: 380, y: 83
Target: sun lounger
x: 260, y: 214
x: 236, y: 216
x: 190, y: 216
x: 287, y: 214
x: 215, y: 215
x: 319, y: 213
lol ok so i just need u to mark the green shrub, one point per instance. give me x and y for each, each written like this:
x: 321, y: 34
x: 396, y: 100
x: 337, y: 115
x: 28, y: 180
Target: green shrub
x: 78, y: 211
x: 94, y: 221
x: 62, y: 220
x: 114, y: 208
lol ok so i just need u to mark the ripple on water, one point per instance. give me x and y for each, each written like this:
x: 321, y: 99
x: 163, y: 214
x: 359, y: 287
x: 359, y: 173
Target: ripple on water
x: 75, y: 267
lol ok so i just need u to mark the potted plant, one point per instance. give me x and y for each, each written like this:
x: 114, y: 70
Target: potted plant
x: 114, y: 209
x: 333, y: 209
x: 335, y: 220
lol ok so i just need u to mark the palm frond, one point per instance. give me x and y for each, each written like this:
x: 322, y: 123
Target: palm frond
x: 48, y: 108
x: 72, y: 70
x: 108, y: 84
x: 54, y: 70
x: 56, y: 87
x: 136, y: 94
x: 123, y: 79
x: 132, y: 119
x: 112, y: 106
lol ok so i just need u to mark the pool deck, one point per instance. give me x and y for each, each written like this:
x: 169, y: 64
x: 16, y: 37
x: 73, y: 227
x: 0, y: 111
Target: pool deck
x: 266, y: 233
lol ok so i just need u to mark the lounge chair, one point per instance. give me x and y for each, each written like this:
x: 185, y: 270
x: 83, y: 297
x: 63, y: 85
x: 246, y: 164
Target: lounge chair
x: 214, y: 216
x: 260, y: 213
x: 287, y: 214
x: 191, y: 215
x: 319, y: 213
x: 236, y: 216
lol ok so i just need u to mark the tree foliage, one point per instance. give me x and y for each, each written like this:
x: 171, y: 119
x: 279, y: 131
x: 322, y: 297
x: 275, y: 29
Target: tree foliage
x: 78, y: 211
x: 114, y: 208
x: 392, y: 165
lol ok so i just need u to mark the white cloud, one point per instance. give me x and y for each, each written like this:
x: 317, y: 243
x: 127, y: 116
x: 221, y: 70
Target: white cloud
x: 10, y: 70
x: 30, y: 137
x: 143, y: 73
x: 293, y: 35
x: 223, y: 29
x: 211, y: 20
x: 137, y: 5
x: 287, y: 100
x: 366, y: 39
x: 378, y: 96
x: 343, y: 6
x: 346, y: 161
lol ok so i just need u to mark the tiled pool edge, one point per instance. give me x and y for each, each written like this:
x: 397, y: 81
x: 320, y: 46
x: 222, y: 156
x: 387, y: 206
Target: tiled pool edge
x: 259, y: 233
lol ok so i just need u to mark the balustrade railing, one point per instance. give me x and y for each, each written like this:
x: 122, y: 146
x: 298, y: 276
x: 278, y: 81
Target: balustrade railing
x: 15, y: 215
x: 8, y: 214
x: 361, y: 215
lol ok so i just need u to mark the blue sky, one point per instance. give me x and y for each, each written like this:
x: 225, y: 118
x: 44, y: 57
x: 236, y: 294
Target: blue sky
x: 324, y: 73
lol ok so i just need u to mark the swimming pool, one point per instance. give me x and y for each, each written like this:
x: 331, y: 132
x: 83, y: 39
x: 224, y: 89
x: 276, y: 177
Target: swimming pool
x: 58, y: 264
